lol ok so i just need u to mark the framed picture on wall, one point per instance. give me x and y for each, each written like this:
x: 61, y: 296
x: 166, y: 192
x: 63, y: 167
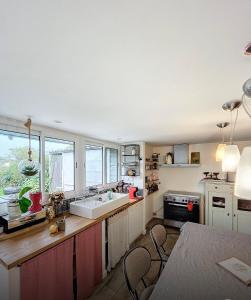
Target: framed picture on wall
x: 195, y: 157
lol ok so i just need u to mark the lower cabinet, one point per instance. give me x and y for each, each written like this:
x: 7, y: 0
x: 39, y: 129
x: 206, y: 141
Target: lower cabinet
x: 49, y: 275
x: 225, y: 211
x: 220, y: 210
x: 135, y: 221
x: 88, y: 260
x: 242, y: 215
x: 148, y: 208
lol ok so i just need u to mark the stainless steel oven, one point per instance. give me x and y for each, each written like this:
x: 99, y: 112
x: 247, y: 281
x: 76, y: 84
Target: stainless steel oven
x: 181, y: 207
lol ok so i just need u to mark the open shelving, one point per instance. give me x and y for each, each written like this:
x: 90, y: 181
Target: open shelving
x: 130, y: 160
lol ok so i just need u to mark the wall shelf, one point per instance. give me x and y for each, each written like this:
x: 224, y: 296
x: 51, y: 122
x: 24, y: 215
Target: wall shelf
x: 130, y: 160
x: 179, y: 165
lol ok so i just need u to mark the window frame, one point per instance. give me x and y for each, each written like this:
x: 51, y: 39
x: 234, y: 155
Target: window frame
x: 79, y: 151
x: 74, y: 161
x: 106, y: 167
x: 102, y: 172
x: 17, y: 131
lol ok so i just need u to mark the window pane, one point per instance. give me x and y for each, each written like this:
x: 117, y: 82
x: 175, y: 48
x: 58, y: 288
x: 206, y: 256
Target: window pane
x: 93, y: 165
x: 59, y: 165
x: 13, y: 149
x: 111, y: 165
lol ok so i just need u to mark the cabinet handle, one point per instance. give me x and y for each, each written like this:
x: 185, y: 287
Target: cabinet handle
x: 228, y: 214
x: 234, y: 215
x: 216, y: 187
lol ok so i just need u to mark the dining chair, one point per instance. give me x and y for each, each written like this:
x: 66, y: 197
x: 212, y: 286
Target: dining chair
x: 158, y: 235
x: 136, y: 264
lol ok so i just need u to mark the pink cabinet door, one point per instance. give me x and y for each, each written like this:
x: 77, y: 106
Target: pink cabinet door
x: 88, y: 260
x: 49, y: 275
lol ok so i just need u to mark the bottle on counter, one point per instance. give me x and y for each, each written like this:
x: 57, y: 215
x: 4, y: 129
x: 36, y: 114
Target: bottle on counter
x: 169, y: 158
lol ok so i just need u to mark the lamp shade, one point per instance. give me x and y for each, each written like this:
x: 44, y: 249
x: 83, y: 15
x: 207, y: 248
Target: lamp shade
x: 220, y: 152
x: 231, y: 158
x: 243, y: 176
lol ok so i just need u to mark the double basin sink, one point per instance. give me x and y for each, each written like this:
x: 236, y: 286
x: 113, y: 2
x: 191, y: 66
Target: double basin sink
x: 96, y: 206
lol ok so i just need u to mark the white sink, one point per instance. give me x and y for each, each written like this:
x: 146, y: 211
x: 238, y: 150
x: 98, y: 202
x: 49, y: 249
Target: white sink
x: 96, y: 206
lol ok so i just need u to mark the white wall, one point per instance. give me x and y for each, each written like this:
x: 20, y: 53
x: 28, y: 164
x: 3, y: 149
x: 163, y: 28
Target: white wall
x: 187, y: 179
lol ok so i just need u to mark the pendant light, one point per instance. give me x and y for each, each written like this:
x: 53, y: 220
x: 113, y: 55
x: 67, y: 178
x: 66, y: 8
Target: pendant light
x: 29, y: 167
x: 221, y: 147
x: 243, y: 175
x: 231, y: 156
x: 246, y: 97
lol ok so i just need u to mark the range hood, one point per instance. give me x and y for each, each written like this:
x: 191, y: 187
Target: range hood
x: 181, y: 154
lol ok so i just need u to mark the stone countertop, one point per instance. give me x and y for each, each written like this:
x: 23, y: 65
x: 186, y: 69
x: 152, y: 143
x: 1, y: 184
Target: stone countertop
x: 16, y: 250
x: 220, y: 181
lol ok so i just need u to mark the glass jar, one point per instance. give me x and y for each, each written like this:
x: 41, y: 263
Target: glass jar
x: 14, y: 209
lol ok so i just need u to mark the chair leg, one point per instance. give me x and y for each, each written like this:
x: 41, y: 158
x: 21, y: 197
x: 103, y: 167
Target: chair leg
x: 160, y: 268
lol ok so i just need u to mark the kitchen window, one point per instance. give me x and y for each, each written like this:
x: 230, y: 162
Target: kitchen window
x: 59, y: 165
x: 14, y: 148
x: 93, y: 165
x: 111, y: 163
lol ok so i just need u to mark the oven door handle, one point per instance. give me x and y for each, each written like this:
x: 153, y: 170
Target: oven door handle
x: 179, y: 205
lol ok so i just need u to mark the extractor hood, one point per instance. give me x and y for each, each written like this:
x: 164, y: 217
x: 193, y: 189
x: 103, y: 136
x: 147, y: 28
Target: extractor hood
x: 181, y: 154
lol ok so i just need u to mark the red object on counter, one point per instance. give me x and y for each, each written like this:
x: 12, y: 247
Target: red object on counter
x: 132, y: 192
x: 35, y: 199
x: 190, y: 206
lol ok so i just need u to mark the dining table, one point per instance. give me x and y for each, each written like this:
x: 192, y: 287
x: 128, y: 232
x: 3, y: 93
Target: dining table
x: 192, y: 271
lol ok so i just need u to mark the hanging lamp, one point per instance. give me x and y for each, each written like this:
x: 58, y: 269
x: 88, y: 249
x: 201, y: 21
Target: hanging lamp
x: 231, y: 156
x: 221, y: 147
x: 29, y: 167
x: 243, y: 175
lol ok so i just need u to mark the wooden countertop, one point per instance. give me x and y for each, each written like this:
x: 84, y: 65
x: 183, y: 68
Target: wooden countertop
x: 19, y: 249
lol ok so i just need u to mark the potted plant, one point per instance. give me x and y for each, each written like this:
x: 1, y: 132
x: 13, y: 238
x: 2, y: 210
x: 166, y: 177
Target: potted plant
x: 24, y: 203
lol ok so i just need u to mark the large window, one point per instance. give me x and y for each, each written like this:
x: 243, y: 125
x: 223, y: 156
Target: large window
x: 93, y: 165
x: 13, y: 149
x: 59, y: 165
x: 111, y: 159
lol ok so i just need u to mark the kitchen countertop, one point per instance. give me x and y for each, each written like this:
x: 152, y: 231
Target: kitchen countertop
x: 19, y: 249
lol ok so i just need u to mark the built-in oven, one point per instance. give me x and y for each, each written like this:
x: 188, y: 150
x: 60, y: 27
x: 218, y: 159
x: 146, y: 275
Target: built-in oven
x: 181, y: 207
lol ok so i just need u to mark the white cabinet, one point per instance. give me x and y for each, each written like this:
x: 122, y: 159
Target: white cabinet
x: 135, y: 221
x: 242, y: 215
x: 224, y: 210
x: 220, y: 210
x: 148, y: 208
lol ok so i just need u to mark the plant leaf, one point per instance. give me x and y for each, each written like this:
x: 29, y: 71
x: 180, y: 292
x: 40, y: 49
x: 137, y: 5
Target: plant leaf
x: 24, y: 191
x: 24, y: 204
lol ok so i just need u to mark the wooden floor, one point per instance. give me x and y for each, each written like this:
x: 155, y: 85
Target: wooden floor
x: 114, y: 287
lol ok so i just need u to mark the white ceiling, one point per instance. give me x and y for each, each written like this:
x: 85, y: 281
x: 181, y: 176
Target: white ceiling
x: 156, y: 71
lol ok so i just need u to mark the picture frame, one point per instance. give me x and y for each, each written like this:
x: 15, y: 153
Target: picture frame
x: 195, y: 157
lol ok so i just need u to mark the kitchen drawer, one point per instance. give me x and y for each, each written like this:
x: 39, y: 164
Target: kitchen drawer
x: 220, y: 187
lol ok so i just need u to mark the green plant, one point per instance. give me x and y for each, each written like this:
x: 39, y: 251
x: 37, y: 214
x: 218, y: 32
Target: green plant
x: 24, y: 202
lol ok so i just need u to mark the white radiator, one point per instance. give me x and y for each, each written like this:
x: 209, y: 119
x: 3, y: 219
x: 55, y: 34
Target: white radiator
x: 117, y: 237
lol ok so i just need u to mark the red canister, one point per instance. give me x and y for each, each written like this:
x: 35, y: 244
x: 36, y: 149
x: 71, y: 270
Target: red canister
x: 132, y: 192
x: 35, y: 199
